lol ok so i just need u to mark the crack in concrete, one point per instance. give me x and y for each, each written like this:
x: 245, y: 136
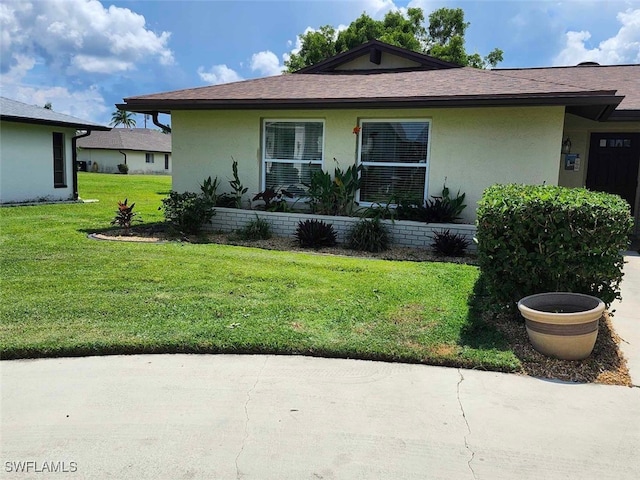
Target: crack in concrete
x: 464, y: 416
x: 246, y: 424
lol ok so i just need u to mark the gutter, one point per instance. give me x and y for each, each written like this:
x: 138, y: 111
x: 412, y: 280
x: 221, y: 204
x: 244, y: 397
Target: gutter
x: 74, y: 161
x: 157, y: 123
x: 125, y: 156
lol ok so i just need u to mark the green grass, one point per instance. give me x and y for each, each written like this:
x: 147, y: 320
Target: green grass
x: 64, y: 294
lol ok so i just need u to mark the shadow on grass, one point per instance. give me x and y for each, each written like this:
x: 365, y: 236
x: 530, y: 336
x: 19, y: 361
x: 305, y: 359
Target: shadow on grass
x: 480, y: 332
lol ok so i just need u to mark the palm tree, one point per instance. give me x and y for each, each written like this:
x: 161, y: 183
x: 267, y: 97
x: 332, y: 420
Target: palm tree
x: 124, y: 118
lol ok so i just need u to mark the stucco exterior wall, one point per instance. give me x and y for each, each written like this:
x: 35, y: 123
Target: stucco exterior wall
x: 26, y: 163
x: 472, y: 148
x: 108, y: 161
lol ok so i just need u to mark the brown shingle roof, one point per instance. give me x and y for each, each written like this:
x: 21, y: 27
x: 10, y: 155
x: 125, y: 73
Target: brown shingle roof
x: 623, y: 78
x: 441, y: 87
x: 431, y: 84
x: 138, y: 139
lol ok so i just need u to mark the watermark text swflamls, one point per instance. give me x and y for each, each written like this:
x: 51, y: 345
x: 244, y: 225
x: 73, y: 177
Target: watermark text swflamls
x: 33, y: 466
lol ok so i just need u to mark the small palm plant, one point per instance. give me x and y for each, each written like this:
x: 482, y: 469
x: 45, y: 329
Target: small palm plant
x: 125, y: 216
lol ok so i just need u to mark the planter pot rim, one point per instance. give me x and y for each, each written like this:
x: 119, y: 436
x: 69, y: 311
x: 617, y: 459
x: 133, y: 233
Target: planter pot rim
x: 584, y: 307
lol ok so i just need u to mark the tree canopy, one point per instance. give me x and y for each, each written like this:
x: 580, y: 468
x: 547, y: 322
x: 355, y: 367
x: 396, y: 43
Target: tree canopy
x: 124, y: 118
x: 443, y: 38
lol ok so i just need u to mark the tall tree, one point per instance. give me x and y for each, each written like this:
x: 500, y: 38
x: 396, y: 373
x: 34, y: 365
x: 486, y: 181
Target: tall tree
x: 443, y: 38
x: 124, y: 118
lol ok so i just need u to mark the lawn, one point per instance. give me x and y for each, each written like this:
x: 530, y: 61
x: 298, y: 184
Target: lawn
x: 65, y: 294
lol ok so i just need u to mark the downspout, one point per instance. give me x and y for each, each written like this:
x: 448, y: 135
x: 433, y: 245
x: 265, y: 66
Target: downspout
x: 74, y: 162
x: 124, y: 155
x: 158, y: 124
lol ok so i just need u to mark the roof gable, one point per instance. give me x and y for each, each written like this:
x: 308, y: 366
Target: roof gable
x: 375, y: 56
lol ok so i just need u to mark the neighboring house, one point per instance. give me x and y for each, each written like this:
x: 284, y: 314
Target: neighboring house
x: 142, y: 150
x: 37, y: 152
x: 420, y: 122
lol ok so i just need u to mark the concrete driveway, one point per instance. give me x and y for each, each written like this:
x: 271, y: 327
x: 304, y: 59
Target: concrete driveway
x: 270, y: 417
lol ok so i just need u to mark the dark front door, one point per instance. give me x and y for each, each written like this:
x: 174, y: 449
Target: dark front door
x: 614, y: 159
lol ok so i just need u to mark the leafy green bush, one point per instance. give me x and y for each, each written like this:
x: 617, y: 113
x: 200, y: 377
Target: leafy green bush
x: 123, y: 168
x: 370, y: 235
x: 188, y: 212
x: 314, y: 233
x: 258, y: 229
x: 449, y: 244
x: 534, y: 239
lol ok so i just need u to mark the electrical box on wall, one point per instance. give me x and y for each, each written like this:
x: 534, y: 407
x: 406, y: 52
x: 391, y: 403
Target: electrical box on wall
x: 572, y: 161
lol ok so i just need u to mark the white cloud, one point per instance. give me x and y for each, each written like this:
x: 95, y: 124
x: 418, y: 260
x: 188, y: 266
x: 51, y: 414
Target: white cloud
x: 624, y: 47
x: 378, y: 8
x: 75, y: 36
x: 218, y: 74
x: 266, y: 63
x: 87, y: 104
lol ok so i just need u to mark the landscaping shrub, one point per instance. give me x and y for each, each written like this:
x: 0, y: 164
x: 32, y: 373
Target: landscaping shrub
x: 238, y: 189
x: 124, y: 215
x: 188, y: 212
x: 441, y: 208
x: 370, y: 235
x: 449, y: 244
x: 123, y: 168
x: 209, y: 189
x: 274, y: 200
x: 315, y: 233
x: 534, y: 239
x: 258, y: 229
x: 334, y: 196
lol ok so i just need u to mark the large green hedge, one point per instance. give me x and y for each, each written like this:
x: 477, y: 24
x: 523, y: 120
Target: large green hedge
x: 534, y: 239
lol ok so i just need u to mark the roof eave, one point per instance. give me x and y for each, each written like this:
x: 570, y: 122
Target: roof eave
x: 604, y: 103
x: 624, y: 116
x: 53, y: 123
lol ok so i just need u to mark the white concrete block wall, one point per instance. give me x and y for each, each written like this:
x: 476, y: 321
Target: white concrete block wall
x: 403, y: 232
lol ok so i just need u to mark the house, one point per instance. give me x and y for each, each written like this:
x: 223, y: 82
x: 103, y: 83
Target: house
x: 413, y: 122
x: 142, y: 150
x: 37, y: 152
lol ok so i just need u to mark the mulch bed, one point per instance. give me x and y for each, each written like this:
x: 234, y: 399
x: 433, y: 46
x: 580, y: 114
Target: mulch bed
x: 606, y: 364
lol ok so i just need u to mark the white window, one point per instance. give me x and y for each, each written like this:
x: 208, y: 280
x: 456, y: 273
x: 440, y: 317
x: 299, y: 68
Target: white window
x: 148, y: 157
x: 291, y: 151
x: 394, y: 156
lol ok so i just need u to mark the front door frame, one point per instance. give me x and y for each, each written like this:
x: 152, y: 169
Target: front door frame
x: 636, y: 139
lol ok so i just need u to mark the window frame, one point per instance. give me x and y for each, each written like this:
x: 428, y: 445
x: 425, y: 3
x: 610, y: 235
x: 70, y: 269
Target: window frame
x: 62, y: 159
x: 147, y: 156
x: 263, y: 154
x: 424, y: 164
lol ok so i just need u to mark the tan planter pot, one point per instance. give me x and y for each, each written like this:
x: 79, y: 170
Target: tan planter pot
x: 562, y: 325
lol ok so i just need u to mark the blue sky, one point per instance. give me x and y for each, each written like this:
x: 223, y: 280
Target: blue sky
x: 84, y: 56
